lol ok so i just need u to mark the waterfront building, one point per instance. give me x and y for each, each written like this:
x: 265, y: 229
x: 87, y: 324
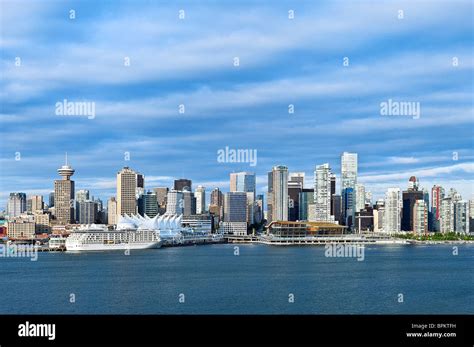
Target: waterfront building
x: 126, y: 192
x: 446, y: 218
x: 64, y: 195
x: 199, y: 223
x: 322, y: 193
x: 16, y: 204
x: 20, y: 228
x: 437, y: 195
x: 392, y: 220
x: 420, y: 217
x: 112, y: 211
x: 279, y: 193
x: 364, y: 220
x: 306, y: 198
x: 461, y: 217
x: 175, y: 202
x: 292, y: 230
x: 234, y: 228
x: 200, y: 195
x: 183, y: 184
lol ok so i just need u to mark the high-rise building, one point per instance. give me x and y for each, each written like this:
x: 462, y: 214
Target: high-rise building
x: 148, y: 204
x: 410, y: 196
x: 336, y: 208
x: 461, y: 217
x: 322, y: 193
x: 437, y: 195
x: 42, y: 222
x: 349, y: 167
x: 200, y: 195
x: 81, y: 196
x: 16, y: 204
x: 51, y: 199
x: 420, y: 217
x: 294, y: 190
x: 161, y: 193
x: 235, y: 207
x: 64, y: 195
x: 242, y: 182
x: 297, y: 177
x: 259, y: 209
x: 379, y: 212
x: 140, y: 181
x: 360, y: 197
x: 471, y: 216
x: 269, y: 215
x: 306, y: 198
x: 280, y: 193
x: 392, y: 221
x: 446, y: 219
x: 182, y: 184
x: 189, y: 203
x: 126, y: 192
x: 87, y: 212
x: 175, y: 202
x: 34, y: 203
x: 216, y: 205
x: 112, y: 211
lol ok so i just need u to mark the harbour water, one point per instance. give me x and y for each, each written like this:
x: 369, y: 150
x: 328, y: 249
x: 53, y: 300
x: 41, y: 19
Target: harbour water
x: 261, y: 279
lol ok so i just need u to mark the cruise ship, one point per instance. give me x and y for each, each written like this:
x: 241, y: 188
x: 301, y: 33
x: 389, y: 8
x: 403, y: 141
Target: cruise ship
x: 126, y: 236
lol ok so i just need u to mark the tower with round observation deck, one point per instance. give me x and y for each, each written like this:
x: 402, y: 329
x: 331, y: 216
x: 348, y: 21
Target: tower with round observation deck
x: 64, y: 195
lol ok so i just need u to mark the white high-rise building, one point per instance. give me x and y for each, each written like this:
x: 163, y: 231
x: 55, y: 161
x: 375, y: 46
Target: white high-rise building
x: 348, y: 170
x: 360, y: 197
x: 392, y: 213
x: 446, y: 218
x: 280, y: 193
x: 200, y: 195
x: 175, y: 202
x: 420, y: 217
x: 16, y: 204
x: 322, y: 193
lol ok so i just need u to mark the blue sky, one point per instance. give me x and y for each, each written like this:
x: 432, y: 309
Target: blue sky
x: 190, y: 62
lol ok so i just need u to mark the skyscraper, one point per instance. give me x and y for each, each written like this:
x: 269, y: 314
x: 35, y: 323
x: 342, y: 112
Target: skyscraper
x: 64, y: 195
x: 461, y: 217
x: 294, y: 190
x: 410, y: 196
x: 392, y: 220
x: 182, y: 183
x: 148, y: 204
x: 16, y: 204
x: 306, y: 198
x: 280, y: 193
x: 35, y: 203
x: 270, y: 197
x: 112, y: 211
x: 235, y: 207
x: 175, y: 202
x: 242, y: 182
x: 437, y: 195
x: 81, y: 196
x: 200, y: 195
x: 349, y: 167
x: 446, y: 219
x: 420, y: 217
x: 189, y: 202
x: 126, y: 192
x: 322, y: 193
x: 297, y: 177
x: 87, y: 212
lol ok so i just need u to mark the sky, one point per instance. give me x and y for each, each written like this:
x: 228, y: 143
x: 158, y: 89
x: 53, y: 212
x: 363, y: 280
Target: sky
x: 405, y: 51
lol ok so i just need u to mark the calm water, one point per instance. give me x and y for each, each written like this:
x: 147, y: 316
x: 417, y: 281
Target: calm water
x: 259, y: 280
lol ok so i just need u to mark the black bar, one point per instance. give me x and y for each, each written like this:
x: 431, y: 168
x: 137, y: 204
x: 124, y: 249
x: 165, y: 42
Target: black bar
x: 260, y: 329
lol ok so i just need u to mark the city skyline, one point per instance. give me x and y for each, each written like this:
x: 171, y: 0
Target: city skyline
x: 282, y: 62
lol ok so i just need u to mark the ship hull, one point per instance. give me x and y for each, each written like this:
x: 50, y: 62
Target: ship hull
x: 75, y: 247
